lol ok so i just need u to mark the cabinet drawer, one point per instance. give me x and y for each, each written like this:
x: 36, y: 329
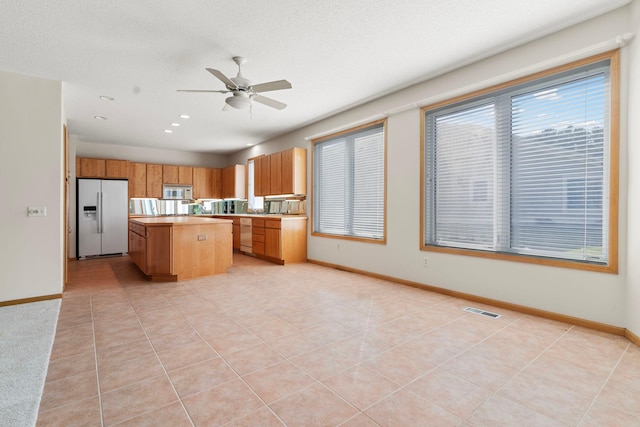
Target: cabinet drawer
x: 257, y: 238
x: 258, y: 222
x: 255, y: 230
x: 272, y: 223
x: 257, y: 248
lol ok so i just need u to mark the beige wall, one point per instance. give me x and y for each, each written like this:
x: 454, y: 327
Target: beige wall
x: 594, y: 296
x: 30, y: 175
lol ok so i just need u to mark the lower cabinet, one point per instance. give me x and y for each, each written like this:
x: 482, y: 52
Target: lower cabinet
x: 138, y: 245
x: 257, y: 241
x: 180, y: 250
x: 281, y: 240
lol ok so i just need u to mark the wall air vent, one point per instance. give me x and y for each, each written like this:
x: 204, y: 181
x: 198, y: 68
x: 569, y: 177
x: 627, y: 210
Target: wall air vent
x: 482, y: 312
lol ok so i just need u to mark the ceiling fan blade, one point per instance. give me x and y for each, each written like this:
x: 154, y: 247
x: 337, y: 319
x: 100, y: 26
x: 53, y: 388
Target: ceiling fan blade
x: 203, y: 90
x: 224, y: 79
x: 269, y: 102
x: 275, y: 85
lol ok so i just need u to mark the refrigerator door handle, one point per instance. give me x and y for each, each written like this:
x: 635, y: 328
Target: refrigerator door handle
x: 99, y: 218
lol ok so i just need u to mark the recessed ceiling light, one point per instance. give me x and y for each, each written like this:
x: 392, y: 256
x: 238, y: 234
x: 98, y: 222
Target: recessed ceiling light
x: 184, y: 116
x: 168, y: 131
x: 249, y: 144
x: 106, y: 98
x: 175, y: 124
x: 99, y: 117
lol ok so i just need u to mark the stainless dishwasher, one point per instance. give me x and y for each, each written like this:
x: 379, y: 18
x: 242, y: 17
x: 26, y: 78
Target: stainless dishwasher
x: 246, y: 235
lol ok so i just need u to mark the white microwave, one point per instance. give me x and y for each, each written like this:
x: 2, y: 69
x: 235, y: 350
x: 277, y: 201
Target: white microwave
x: 177, y: 192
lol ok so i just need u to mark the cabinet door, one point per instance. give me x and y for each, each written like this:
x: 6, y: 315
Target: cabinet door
x: 185, y: 175
x: 275, y: 173
x: 90, y: 168
x: 233, y: 182
x: 169, y: 174
x: 154, y: 181
x: 202, y: 183
x: 262, y: 176
x: 116, y: 168
x: 294, y: 171
x: 137, y: 180
x: 272, y: 243
x: 227, y: 182
x: 216, y: 183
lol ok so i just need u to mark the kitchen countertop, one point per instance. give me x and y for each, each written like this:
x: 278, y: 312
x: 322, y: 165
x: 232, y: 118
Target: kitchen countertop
x: 178, y: 220
x: 213, y: 216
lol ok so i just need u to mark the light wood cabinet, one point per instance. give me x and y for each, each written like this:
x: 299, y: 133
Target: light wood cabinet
x: 294, y: 171
x: 170, y: 174
x: 275, y: 172
x: 185, y: 175
x: 216, y: 183
x: 154, y: 180
x: 233, y: 182
x: 257, y: 237
x: 272, y: 238
x: 261, y: 173
x: 101, y: 168
x: 202, y: 183
x: 116, y: 168
x: 137, y: 180
x: 138, y: 244
x: 90, y: 168
x: 281, y: 173
x: 172, y: 250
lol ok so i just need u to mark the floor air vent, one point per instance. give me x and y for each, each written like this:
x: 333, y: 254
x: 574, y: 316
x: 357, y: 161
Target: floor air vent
x: 482, y: 312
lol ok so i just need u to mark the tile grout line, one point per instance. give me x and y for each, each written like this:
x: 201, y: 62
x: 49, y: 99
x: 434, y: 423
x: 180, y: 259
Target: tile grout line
x: 604, y: 384
x: 221, y: 358
x: 95, y: 356
x: 159, y: 361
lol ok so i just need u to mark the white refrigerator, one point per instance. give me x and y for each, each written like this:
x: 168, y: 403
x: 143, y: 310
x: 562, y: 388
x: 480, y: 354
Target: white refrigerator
x: 102, y: 220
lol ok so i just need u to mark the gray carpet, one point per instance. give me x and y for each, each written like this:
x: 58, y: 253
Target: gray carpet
x: 26, y: 338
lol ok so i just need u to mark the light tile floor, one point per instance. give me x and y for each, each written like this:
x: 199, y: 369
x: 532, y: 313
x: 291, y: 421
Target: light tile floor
x: 305, y: 345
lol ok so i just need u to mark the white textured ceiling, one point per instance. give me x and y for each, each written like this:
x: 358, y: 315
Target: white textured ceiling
x: 336, y: 54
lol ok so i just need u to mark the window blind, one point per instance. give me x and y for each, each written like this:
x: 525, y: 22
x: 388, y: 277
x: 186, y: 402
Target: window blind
x: 348, y: 197
x: 524, y: 170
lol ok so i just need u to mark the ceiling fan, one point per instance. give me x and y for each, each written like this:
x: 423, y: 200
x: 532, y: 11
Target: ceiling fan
x: 243, y: 91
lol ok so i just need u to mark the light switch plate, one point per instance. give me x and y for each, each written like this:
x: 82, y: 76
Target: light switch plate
x: 36, y: 211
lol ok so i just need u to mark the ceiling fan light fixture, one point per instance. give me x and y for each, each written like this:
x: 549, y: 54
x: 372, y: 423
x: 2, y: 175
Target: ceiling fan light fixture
x: 238, y: 102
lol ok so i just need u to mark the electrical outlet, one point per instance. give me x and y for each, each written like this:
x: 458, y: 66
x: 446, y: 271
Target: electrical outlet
x: 426, y: 262
x: 36, y: 211
x: 202, y: 237
x: 338, y: 246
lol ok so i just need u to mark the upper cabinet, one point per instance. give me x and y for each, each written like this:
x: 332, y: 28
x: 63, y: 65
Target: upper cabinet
x: 169, y: 174
x: 275, y: 168
x: 90, y: 168
x: 117, y: 168
x: 101, y: 168
x: 202, y: 183
x: 281, y: 173
x: 137, y: 180
x: 261, y: 176
x: 154, y: 181
x: 294, y: 171
x: 233, y: 182
x: 185, y: 175
x: 216, y: 183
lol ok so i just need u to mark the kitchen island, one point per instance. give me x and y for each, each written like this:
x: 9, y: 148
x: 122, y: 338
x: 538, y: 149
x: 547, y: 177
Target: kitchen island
x: 180, y: 247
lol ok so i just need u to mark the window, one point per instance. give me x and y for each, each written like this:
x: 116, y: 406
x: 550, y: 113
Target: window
x: 255, y: 203
x: 526, y: 171
x: 349, y: 184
